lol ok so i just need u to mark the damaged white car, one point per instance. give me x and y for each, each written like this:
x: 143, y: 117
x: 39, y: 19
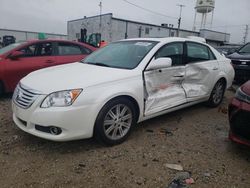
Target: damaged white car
x: 119, y: 85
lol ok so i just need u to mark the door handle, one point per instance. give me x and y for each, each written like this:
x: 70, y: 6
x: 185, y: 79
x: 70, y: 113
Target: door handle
x: 215, y: 68
x: 178, y: 76
x: 49, y: 61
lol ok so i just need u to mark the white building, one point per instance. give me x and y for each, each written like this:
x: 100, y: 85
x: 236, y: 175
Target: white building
x: 113, y: 29
x: 28, y: 35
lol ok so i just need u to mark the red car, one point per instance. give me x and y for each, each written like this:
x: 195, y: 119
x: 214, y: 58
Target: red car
x: 19, y: 59
x: 239, y: 115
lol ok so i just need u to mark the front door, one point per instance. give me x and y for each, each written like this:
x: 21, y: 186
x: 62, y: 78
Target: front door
x: 163, y: 87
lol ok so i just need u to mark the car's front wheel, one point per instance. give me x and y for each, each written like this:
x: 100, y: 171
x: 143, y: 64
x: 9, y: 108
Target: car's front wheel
x: 217, y: 94
x: 115, y: 121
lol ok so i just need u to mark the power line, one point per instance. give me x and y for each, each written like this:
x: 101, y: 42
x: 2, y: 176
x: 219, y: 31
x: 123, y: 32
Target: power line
x: 229, y: 26
x: 148, y: 10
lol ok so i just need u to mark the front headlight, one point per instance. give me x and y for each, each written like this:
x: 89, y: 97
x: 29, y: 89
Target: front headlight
x: 61, y: 98
x: 240, y: 95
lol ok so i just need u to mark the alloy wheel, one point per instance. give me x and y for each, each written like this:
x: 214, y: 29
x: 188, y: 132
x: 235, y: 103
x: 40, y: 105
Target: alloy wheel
x: 117, y: 121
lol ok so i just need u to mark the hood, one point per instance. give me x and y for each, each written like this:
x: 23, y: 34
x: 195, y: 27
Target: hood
x: 72, y: 76
x: 246, y: 88
x: 236, y: 55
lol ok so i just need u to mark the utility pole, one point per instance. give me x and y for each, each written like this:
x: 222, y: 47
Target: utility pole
x: 100, y: 25
x: 245, y: 34
x: 179, y: 20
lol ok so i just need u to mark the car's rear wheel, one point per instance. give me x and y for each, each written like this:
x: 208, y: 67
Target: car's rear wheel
x: 115, y: 121
x: 217, y: 94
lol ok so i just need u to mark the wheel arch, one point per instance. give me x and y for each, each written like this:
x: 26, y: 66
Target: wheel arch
x: 130, y: 98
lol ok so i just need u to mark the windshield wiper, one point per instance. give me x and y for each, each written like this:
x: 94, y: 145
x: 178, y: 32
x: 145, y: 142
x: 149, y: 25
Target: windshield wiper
x: 98, y: 64
x: 101, y: 64
x: 242, y: 52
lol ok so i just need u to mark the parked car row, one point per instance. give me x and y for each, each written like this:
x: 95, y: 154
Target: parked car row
x: 115, y: 87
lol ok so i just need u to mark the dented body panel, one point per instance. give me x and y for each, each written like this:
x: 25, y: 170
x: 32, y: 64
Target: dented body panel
x: 164, y: 89
x: 200, y: 78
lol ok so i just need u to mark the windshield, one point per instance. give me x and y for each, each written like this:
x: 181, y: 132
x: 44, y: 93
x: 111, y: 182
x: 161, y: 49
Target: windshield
x: 10, y: 47
x: 245, y: 49
x: 124, y: 54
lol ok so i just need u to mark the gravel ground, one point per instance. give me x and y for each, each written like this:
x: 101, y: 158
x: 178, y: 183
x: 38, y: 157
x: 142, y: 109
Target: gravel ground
x: 196, y: 138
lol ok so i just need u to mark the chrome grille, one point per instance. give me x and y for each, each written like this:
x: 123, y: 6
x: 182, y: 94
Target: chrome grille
x: 24, y: 97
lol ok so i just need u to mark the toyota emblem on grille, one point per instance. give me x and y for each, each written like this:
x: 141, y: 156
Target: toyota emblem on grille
x: 19, y: 95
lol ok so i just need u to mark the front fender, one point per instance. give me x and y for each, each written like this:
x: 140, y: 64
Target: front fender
x: 99, y: 95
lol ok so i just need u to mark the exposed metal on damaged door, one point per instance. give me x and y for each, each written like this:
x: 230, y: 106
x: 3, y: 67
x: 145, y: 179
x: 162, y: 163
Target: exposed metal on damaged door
x: 164, y: 89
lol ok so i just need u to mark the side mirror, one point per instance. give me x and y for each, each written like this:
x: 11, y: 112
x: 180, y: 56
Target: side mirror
x: 16, y: 54
x: 160, y: 63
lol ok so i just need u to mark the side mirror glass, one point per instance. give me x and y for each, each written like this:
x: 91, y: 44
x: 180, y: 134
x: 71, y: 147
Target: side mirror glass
x: 16, y: 54
x: 160, y: 63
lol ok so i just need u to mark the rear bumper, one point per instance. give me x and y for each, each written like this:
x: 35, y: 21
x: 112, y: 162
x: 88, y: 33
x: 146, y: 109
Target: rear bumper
x: 239, y: 118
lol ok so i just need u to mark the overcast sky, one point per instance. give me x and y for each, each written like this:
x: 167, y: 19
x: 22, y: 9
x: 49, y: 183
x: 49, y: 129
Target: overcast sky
x: 52, y: 15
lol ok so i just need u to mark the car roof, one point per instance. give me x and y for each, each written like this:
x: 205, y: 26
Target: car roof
x: 165, y: 40
x: 60, y: 40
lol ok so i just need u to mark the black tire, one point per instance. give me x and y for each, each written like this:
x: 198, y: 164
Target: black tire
x: 115, y: 122
x: 217, y: 94
x: 1, y: 89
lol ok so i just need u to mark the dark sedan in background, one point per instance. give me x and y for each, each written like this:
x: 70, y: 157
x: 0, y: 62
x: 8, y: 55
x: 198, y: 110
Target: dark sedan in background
x: 241, y: 63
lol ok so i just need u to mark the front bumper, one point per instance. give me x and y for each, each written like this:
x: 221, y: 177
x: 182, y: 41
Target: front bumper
x: 239, y: 118
x: 76, y: 122
x: 242, y: 73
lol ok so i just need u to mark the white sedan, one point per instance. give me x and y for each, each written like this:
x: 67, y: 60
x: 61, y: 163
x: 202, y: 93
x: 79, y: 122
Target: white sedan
x: 119, y: 85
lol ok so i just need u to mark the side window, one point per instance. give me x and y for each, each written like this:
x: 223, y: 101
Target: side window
x: 86, y: 50
x: 45, y: 49
x: 39, y: 49
x: 29, y: 51
x: 211, y: 55
x: 197, y: 52
x: 69, y: 49
x: 173, y: 51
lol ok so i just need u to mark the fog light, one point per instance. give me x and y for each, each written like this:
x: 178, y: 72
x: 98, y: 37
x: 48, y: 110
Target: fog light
x: 55, y: 130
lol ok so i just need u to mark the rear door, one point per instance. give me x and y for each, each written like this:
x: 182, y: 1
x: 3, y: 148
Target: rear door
x: 201, y: 71
x: 164, y: 86
x: 36, y: 56
x: 70, y: 52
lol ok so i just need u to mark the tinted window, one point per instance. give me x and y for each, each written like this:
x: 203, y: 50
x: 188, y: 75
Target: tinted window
x: 86, y: 50
x: 211, y: 55
x: 10, y: 47
x: 69, y: 49
x: 173, y: 51
x: 197, y: 52
x: 30, y: 50
x: 245, y: 49
x: 126, y: 54
x: 39, y: 49
x: 44, y: 49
